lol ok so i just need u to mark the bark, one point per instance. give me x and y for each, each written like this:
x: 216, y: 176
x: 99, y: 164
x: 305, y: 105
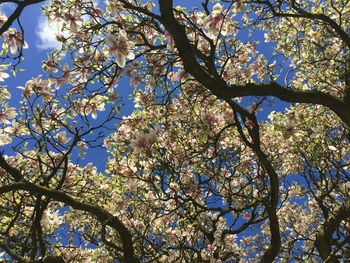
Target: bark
x: 17, y: 13
x: 222, y: 90
x: 103, y: 215
x: 323, y: 241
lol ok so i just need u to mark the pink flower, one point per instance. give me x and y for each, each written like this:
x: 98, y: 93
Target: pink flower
x: 121, y: 48
x: 74, y: 20
x: 214, y: 22
x: 67, y: 75
x: 38, y: 86
x: 243, y: 58
x: 114, y: 7
x: 170, y: 40
x: 181, y: 74
x: 250, y: 123
x: 62, y: 138
x: 3, y: 19
x: 97, y: 12
x: 10, y: 113
x: 27, y: 91
x: 46, y: 95
x: 14, y: 40
x: 247, y: 216
x: 83, y: 145
x: 93, y: 105
x: 250, y: 48
x: 144, y: 140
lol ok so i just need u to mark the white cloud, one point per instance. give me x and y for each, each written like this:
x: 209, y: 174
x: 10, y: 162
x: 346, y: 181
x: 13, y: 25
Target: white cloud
x: 47, y: 34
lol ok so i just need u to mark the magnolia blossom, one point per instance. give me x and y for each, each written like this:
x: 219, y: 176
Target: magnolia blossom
x: 3, y: 19
x: 170, y: 40
x: 114, y: 7
x: 92, y: 106
x: 243, y: 58
x: 42, y: 125
x: 120, y: 47
x: 62, y: 138
x: 16, y: 129
x: 67, y: 74
x: 14, y: 41
x: 4, y: 93
x: 143, y: 141
x: 10, y: 113
x: 37, y: 85
x: 290, y: 131
x: 5, y: 139
x: 181, y: 173
x: 51, y: 65
x: 51, y: 219
x: 178, y: 76
x: 26, y: 90
x: 3, y: 75
x: 214, y: 22
x: 73, y: 17
x: 82, y: 145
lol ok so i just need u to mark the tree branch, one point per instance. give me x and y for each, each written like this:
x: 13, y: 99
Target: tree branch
x: 223, y: 91
x: 16, y: 14
x: 103, y: 215
x: 324, y: 236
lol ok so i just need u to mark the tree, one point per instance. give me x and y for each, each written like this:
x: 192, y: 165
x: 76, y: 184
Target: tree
x: 193, y: 175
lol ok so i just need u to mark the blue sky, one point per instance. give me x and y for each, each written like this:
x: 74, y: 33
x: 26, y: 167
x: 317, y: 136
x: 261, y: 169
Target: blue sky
x: 40, y: 37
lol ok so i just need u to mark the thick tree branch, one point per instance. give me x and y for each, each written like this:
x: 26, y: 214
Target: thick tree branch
x: 13, y: 172
x: 220, y: 88
x: 12, y: 253
x: 341, y: 108
x: 328, y: 21
x: 16, y: 14
x: 324, y: 236
x: 20, y: 259
x: 103, y: 215
x: 271, y: 206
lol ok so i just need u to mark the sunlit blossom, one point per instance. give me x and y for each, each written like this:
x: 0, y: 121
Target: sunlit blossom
x: 7, y: 115
x: 3, y: 75
x: 120, y: 47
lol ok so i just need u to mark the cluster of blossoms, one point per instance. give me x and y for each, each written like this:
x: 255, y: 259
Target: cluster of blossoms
x: 192, y: 174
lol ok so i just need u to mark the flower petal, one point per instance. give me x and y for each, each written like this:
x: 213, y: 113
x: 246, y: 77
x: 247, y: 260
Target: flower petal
x: 121, y: 60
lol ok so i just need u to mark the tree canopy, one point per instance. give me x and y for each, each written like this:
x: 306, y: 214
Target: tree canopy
x: 194, y: 174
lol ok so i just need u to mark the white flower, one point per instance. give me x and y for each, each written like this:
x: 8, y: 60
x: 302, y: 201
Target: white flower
x: 74, y: 20
x: 3, y: 75
x: 62, y: 138
x: 290, y: 131
x: 50, y: 218
x: 14, y: 40
x: 214, y: 22
x: 10, y: 113
x: 5, y: 139
x: 121, y: 48
x: 143, y: 141
x: 93, y: 105
x: 170, y: 40
x: 4, y: 93
x: 332, y: 148
x: 16, y: 129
